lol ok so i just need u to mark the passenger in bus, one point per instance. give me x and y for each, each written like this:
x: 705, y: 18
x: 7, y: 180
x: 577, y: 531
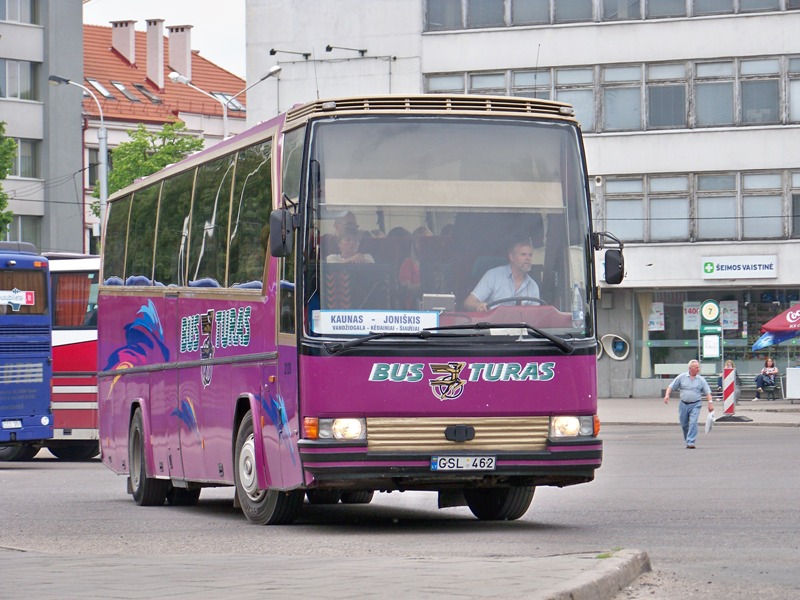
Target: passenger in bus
x: 506, y: 281
x: 348, y: 242
x: 408, y: 277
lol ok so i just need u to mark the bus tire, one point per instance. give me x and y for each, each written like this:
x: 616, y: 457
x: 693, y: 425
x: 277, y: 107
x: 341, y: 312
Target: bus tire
x: 359, y: 497
x: 324, y: 496
x: 499, y: 504
x: 18, y: 452
x: 261, y: 507
x: 146, y: 491
x: 75, y: 450
x: 183, y: 496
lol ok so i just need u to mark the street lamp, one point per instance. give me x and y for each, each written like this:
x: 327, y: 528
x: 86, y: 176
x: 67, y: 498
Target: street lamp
x: 176, y: 77
x: 102, y: 137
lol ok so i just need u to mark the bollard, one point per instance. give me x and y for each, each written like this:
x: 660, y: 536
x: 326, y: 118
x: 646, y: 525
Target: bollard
x: 729, y: 391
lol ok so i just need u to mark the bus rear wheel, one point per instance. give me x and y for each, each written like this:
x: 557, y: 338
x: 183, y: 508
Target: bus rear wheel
x: 18, y: 452
x: 147, y: 491
x: 75, y: 450
x: 359, y: 497
x: 499, y: 504
x: 262, y: 507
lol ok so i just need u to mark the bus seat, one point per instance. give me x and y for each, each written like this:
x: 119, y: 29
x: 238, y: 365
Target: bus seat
x: 207, y: 282
x: 138, y: 280
x: 249, y: 285
x: 114, y: 280
x: 361, y: 286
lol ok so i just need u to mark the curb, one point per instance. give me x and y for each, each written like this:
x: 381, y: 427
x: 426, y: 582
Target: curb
x: 607, y: 579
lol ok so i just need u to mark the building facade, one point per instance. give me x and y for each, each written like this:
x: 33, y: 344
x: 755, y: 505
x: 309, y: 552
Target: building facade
x: 691, y: 115
x: 38, y: 37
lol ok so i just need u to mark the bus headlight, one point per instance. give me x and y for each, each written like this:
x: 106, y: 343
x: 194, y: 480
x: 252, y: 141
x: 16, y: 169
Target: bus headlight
x: 45, y: 421
x: 344, y: 429
x: 563, y: 426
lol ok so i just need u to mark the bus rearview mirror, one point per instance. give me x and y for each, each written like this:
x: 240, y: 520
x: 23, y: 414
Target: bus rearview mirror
x: 615, y: 266
x: 280, y: 232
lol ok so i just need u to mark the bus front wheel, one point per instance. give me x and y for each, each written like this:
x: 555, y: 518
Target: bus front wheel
x: 262, y: 507
x: 499, y: 504
x: 75, y: 450
x: 17, y: 452
x: 147, y: 491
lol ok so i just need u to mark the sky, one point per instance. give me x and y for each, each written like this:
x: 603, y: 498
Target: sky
x: 218, y: 34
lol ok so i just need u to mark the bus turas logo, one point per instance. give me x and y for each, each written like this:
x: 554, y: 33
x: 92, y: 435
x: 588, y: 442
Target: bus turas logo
x: 454, y: 376
x: 450, y: 385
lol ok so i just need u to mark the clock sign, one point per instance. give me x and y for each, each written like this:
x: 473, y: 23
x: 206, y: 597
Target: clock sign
x: 709, y: 311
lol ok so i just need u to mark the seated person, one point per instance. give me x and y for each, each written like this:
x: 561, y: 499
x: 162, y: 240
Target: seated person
x: 766, y: 378
x: 348, y: 242
x: 506, y: 281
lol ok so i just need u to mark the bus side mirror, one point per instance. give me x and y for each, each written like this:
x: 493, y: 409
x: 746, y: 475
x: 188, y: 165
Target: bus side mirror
x: 614, y: 266
x: 281, y: 229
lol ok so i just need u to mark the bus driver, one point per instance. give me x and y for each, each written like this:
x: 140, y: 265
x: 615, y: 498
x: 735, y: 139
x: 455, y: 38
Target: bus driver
x: 506, y: 281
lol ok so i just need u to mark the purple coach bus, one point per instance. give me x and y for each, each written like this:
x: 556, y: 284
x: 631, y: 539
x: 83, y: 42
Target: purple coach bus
x: 317, y: 309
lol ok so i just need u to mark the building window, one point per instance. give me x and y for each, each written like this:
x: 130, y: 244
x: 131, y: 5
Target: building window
x: 669, y: 208
x: 618, y: 10
x: 531, y: 12
x: 20, y: 11
x: 758, y: 5
x: 794, y: 88
x: 572, y: 11
x: 716, y: 207
x: 712, y: 7
x: 666, y: 96
x: 488, y: 83
x: 531, y: 84
x: 576, y: 87
x: 760, y: 91
x: 485, y: 13
x: 444, y: 15
x: 761, y: 213
x: 792, y: 4
x: 658, y: 9
x: 26, y: 161
x: 622, y: 98
x: 125, y: 91
x: 445, y: 84
x: 625, y: 209
x: 147, y: 93
x: 100, y: 88
x: 25, y: 228
x: 229, y: 100
x: 714, y: 94
x: 18, y: 79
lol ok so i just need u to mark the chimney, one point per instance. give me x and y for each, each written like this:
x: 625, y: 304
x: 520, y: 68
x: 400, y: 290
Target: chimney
x: 155, y: 52
x: 180, y: 49
x: 123, y: 39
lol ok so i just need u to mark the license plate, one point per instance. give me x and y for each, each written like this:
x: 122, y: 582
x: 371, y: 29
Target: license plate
x: 12, y: 424
x: 462, y: 463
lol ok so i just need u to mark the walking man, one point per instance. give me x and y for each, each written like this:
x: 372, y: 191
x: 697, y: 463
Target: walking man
x: 692, y: 388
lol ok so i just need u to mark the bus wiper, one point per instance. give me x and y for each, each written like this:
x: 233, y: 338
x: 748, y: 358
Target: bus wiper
x: 558, y: 342
x: 336, y: 347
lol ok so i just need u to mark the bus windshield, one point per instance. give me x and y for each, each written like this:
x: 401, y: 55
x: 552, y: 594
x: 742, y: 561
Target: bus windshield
x: 424, y: 222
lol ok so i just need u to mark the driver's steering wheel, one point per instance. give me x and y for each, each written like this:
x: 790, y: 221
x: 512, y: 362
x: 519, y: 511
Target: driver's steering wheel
x: 518, y: 300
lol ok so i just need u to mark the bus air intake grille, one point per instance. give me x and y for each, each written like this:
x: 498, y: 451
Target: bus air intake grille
x: 21, y: 373
x: 27, y: 331
x: 23, y: 347
x: 430, y: 104
x: 397, y: 434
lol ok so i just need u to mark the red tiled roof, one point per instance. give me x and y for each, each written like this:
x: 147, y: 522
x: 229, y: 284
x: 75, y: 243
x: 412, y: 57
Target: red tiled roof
x: 103, y: 63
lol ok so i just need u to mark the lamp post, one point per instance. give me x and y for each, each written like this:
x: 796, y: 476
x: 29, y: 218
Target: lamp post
x: 176, y: 77
x: 102, y: 137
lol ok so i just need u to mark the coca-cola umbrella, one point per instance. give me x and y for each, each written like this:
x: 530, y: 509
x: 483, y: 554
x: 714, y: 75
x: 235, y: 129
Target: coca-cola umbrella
x: 785, y: 326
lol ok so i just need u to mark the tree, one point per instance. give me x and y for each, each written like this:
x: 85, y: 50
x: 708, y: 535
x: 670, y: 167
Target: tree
x: 8, y: 154
x: 149, y: 152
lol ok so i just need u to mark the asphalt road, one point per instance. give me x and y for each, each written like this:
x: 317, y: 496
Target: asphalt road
x: 718, y: 522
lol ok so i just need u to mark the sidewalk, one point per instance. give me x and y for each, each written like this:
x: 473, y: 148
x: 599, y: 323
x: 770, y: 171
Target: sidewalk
x: 653, y: 411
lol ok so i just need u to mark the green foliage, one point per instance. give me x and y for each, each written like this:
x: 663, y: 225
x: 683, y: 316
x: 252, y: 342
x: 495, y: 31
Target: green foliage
x: 148, y: 152
x: 8, y: 153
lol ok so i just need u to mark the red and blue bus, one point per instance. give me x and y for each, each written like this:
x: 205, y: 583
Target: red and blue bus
x: 243, y: 342
x: 26, y: 419
x: 74, y: 281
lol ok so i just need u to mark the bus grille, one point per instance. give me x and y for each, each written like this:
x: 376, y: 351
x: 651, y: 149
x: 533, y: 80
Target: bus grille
x: 24, y: 340
x: 22, y: 373
x: 502, y: 105
x: 424, y: 434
